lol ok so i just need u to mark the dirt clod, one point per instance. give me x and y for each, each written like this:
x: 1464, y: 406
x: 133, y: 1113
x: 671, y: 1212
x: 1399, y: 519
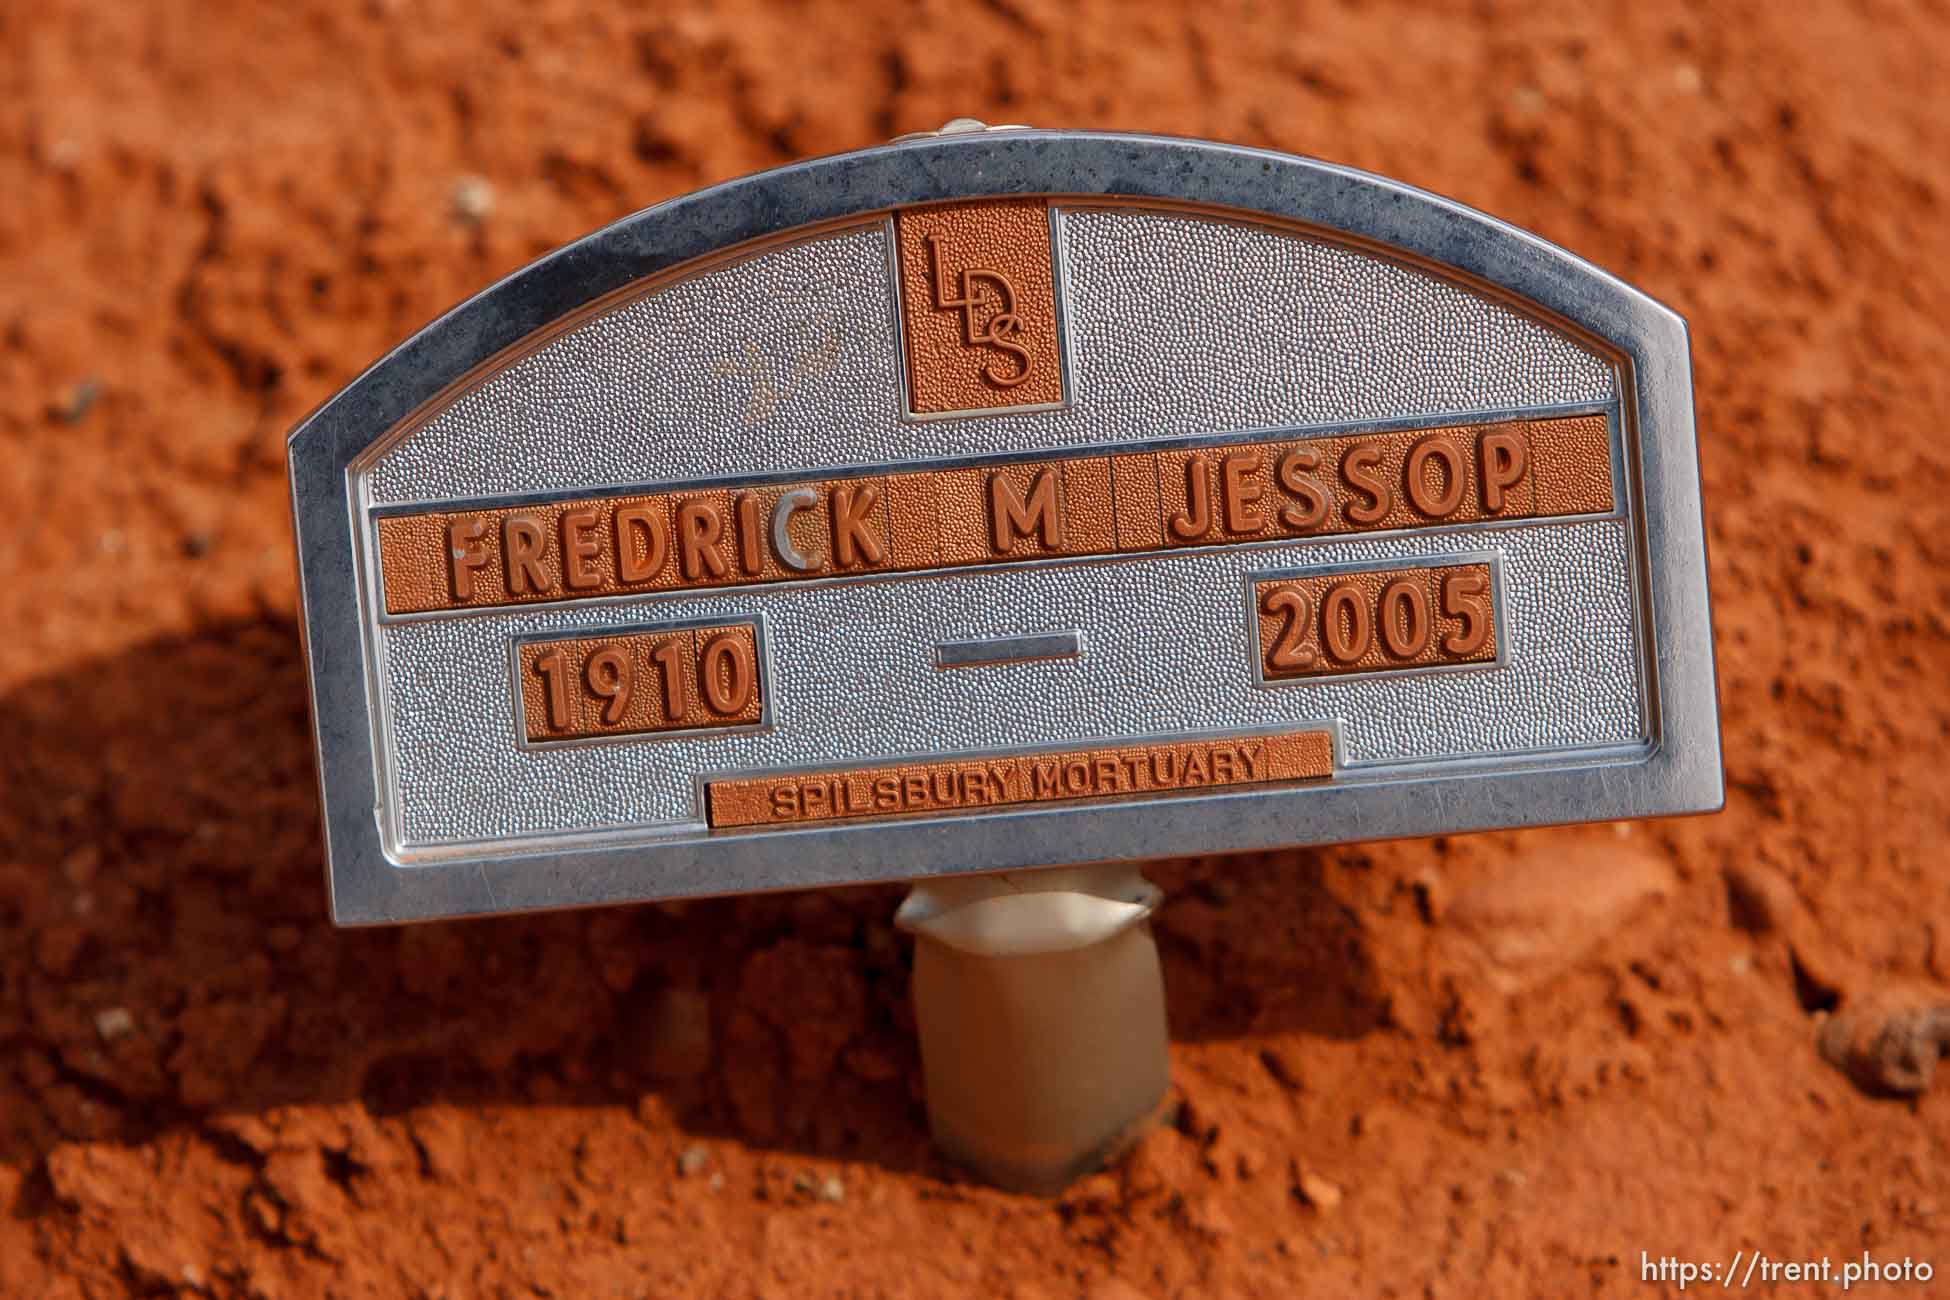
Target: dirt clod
x: 1318, y: 1192
x: 114, y: 1023
x: 472, y: 200
x: 1888, y: 1047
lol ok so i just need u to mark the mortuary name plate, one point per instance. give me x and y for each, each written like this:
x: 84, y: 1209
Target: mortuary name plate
x: 996, y: 500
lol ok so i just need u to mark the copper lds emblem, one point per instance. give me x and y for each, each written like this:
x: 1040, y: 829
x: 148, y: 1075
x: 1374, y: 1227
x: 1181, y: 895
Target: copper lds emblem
x: 1003, y: 327
x: 978, y: 295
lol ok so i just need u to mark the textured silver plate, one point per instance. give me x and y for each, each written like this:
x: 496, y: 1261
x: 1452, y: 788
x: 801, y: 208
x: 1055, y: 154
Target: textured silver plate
x: 833, y: 393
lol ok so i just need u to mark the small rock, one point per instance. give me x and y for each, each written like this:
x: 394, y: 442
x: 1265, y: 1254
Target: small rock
x: 472, y: 200
x: 1319, y: 1193
x: 693, y: 1161
x: 78, y: 401
x: 802, y: 1183
x: 1890, y: 1045
x: 114, y: 1023
x: 832, y: 1190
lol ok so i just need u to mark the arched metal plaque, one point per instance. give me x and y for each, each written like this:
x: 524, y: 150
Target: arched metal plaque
x: 999, y: 500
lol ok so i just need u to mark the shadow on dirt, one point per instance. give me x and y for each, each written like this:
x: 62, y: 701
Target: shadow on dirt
x: 165, y: 958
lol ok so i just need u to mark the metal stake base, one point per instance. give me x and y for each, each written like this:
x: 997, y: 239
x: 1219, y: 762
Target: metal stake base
x: 1042, y: 1019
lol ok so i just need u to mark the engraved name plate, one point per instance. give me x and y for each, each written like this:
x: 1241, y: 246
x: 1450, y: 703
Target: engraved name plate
x: 998, y: 500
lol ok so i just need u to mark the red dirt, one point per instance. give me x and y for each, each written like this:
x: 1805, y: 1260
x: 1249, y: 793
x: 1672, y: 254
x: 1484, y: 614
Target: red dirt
x: 1424, y: 1069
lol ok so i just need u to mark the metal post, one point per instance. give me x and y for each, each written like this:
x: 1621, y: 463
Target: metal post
x: 1042, y: 1018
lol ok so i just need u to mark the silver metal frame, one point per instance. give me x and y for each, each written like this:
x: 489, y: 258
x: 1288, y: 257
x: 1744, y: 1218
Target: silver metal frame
x: 1679, y: 771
